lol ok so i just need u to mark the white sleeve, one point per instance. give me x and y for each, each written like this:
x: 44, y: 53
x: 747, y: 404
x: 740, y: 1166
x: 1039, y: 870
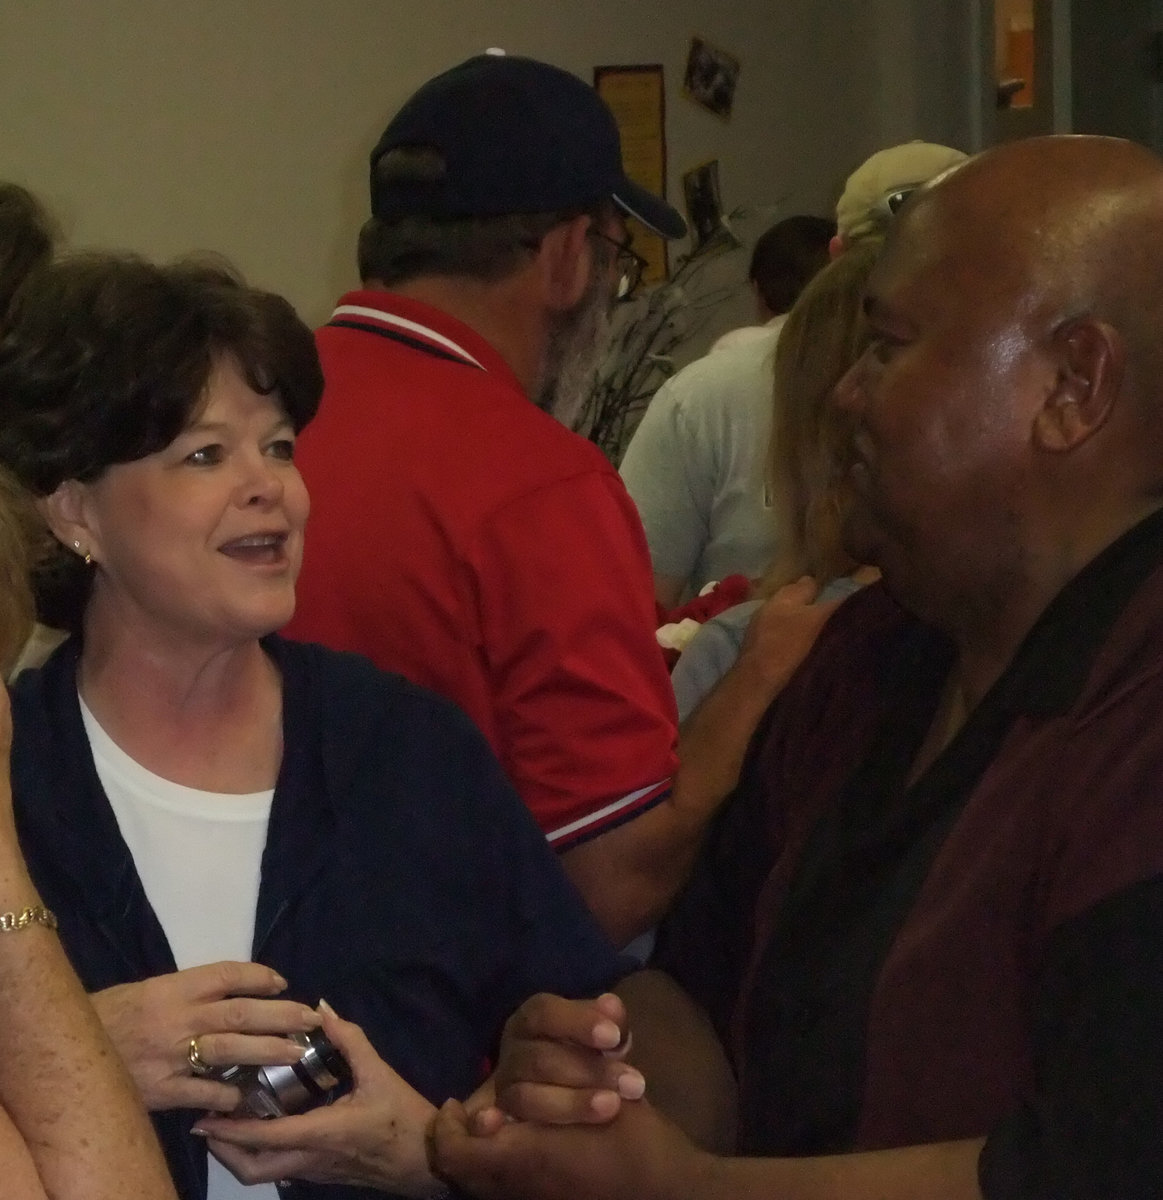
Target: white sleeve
x: 673, y: 487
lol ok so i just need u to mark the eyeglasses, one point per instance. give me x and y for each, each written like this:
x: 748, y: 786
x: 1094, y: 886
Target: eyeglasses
x: 630, y: 266
x: 891, y: 203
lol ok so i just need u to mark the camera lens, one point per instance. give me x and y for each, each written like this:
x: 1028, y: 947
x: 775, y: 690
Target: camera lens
x: 278, y: 1091
x: 311, y: 1080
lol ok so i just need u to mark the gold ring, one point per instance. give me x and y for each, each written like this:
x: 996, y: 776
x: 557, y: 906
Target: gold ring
x: 198, y: 1065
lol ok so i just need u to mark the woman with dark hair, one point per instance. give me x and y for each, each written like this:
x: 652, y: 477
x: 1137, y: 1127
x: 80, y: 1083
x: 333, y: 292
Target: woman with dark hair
x: 231, y: 825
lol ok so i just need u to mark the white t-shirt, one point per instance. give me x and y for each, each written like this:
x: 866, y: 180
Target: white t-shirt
x: 745, y: 334
x: 695, y: 466
x: 199, y: 856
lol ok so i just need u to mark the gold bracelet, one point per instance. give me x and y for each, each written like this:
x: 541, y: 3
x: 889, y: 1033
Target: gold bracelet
x: 37, y: 914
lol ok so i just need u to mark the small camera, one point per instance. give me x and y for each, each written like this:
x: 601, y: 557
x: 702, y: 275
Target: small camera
x: 278, y: 1091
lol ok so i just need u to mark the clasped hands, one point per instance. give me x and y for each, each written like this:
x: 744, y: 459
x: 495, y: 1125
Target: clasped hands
x: 561, y: 1067
x: 569, y: 1117
x: 562, y: 1062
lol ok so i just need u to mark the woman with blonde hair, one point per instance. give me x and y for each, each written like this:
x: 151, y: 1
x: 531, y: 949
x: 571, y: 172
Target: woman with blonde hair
x: 28, y: 237
x: 71, y: 1124
x: 824, y: 335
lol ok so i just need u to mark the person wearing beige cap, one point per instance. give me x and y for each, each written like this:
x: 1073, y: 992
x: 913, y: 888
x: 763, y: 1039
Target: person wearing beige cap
x: 882, y: 183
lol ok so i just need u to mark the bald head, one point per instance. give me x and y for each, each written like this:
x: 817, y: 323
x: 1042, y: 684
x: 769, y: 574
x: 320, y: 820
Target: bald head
x: 1067, y: 226
x: 1008, y: 410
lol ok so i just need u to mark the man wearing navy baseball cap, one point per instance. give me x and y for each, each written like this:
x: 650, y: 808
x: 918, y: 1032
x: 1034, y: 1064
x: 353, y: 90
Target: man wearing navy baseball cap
x: 516, y: 136
x: 461, y: 534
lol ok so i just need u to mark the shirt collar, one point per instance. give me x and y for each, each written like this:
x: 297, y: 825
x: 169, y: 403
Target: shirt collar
x: 423, y: 320
x: 1054, y: 661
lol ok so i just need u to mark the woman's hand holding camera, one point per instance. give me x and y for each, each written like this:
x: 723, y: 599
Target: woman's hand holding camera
x: 224, y: 1005
x: 375, y: 1136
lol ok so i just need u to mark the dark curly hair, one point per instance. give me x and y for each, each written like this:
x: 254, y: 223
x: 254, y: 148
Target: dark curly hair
x: 106, y: 358
x: 27, y: 236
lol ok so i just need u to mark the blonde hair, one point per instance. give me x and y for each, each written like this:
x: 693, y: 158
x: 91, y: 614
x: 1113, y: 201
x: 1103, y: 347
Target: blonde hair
x: 24, y: 544
x: 825, y: 333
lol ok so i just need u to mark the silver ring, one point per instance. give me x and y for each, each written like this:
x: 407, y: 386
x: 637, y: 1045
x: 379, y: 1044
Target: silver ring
x: 199, y: 1067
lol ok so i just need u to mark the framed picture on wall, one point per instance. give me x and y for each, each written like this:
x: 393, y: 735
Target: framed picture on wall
x: 710, y: 78
x: 636, y: 97
x: 704, y: 207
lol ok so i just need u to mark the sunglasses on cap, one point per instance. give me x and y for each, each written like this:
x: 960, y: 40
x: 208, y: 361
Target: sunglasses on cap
x: 891, y: 202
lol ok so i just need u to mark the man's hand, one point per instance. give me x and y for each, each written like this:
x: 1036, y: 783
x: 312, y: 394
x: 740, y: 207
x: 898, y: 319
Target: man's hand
x: 373, y: 1137
x: 566, y: 1062
x: 561, y: 1063
x: 638, y: 1156
x: 151, y: 1024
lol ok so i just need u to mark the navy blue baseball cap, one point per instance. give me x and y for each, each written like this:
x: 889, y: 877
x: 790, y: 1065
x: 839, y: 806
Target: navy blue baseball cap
x: 516, y: 136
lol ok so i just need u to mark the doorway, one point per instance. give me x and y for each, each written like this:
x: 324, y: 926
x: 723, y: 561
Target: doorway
x: 1074, y: 66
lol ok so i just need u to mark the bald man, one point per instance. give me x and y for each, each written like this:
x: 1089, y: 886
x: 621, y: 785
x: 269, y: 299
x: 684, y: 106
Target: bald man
x: 931, y: 929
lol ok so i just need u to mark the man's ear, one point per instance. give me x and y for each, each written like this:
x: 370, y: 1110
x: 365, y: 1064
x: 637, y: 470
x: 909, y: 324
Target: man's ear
x: 566, y: 259
x: 1091, y: 357
x: 65, y: 512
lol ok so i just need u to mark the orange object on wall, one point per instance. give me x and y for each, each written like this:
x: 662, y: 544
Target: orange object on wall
x: 1020, y: 64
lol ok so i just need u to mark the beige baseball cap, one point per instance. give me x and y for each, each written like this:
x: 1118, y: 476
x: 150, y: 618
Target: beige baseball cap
x: 881, y: 183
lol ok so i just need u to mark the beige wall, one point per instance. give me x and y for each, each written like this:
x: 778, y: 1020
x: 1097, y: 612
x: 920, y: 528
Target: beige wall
x: 243, y: 125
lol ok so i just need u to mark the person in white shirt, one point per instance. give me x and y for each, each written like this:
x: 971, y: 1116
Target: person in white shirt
x: 694, y: 466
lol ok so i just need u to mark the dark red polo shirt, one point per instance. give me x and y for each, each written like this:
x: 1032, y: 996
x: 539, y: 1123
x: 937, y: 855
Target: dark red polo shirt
x: 980, y: 952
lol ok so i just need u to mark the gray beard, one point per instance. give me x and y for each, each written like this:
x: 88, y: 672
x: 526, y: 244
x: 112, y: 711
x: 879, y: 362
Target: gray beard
x: 577, y: 344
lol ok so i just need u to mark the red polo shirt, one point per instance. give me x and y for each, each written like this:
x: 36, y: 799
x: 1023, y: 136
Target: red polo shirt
x: 462, y: 537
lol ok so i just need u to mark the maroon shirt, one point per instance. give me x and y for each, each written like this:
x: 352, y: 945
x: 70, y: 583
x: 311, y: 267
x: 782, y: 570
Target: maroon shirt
x: 976, y: 953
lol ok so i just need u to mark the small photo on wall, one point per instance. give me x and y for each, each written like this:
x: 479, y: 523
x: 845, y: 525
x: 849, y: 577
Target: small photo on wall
x: 704, y: 207
x: 710, y: 78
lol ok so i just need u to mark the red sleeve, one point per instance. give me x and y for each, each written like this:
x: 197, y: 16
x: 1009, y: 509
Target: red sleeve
x: 586, y: 717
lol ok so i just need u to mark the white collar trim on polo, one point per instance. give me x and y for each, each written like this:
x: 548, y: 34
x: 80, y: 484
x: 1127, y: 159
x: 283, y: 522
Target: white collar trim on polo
x: 375, y: 314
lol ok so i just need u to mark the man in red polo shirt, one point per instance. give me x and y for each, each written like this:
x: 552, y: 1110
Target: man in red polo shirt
x: 460, y: 533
